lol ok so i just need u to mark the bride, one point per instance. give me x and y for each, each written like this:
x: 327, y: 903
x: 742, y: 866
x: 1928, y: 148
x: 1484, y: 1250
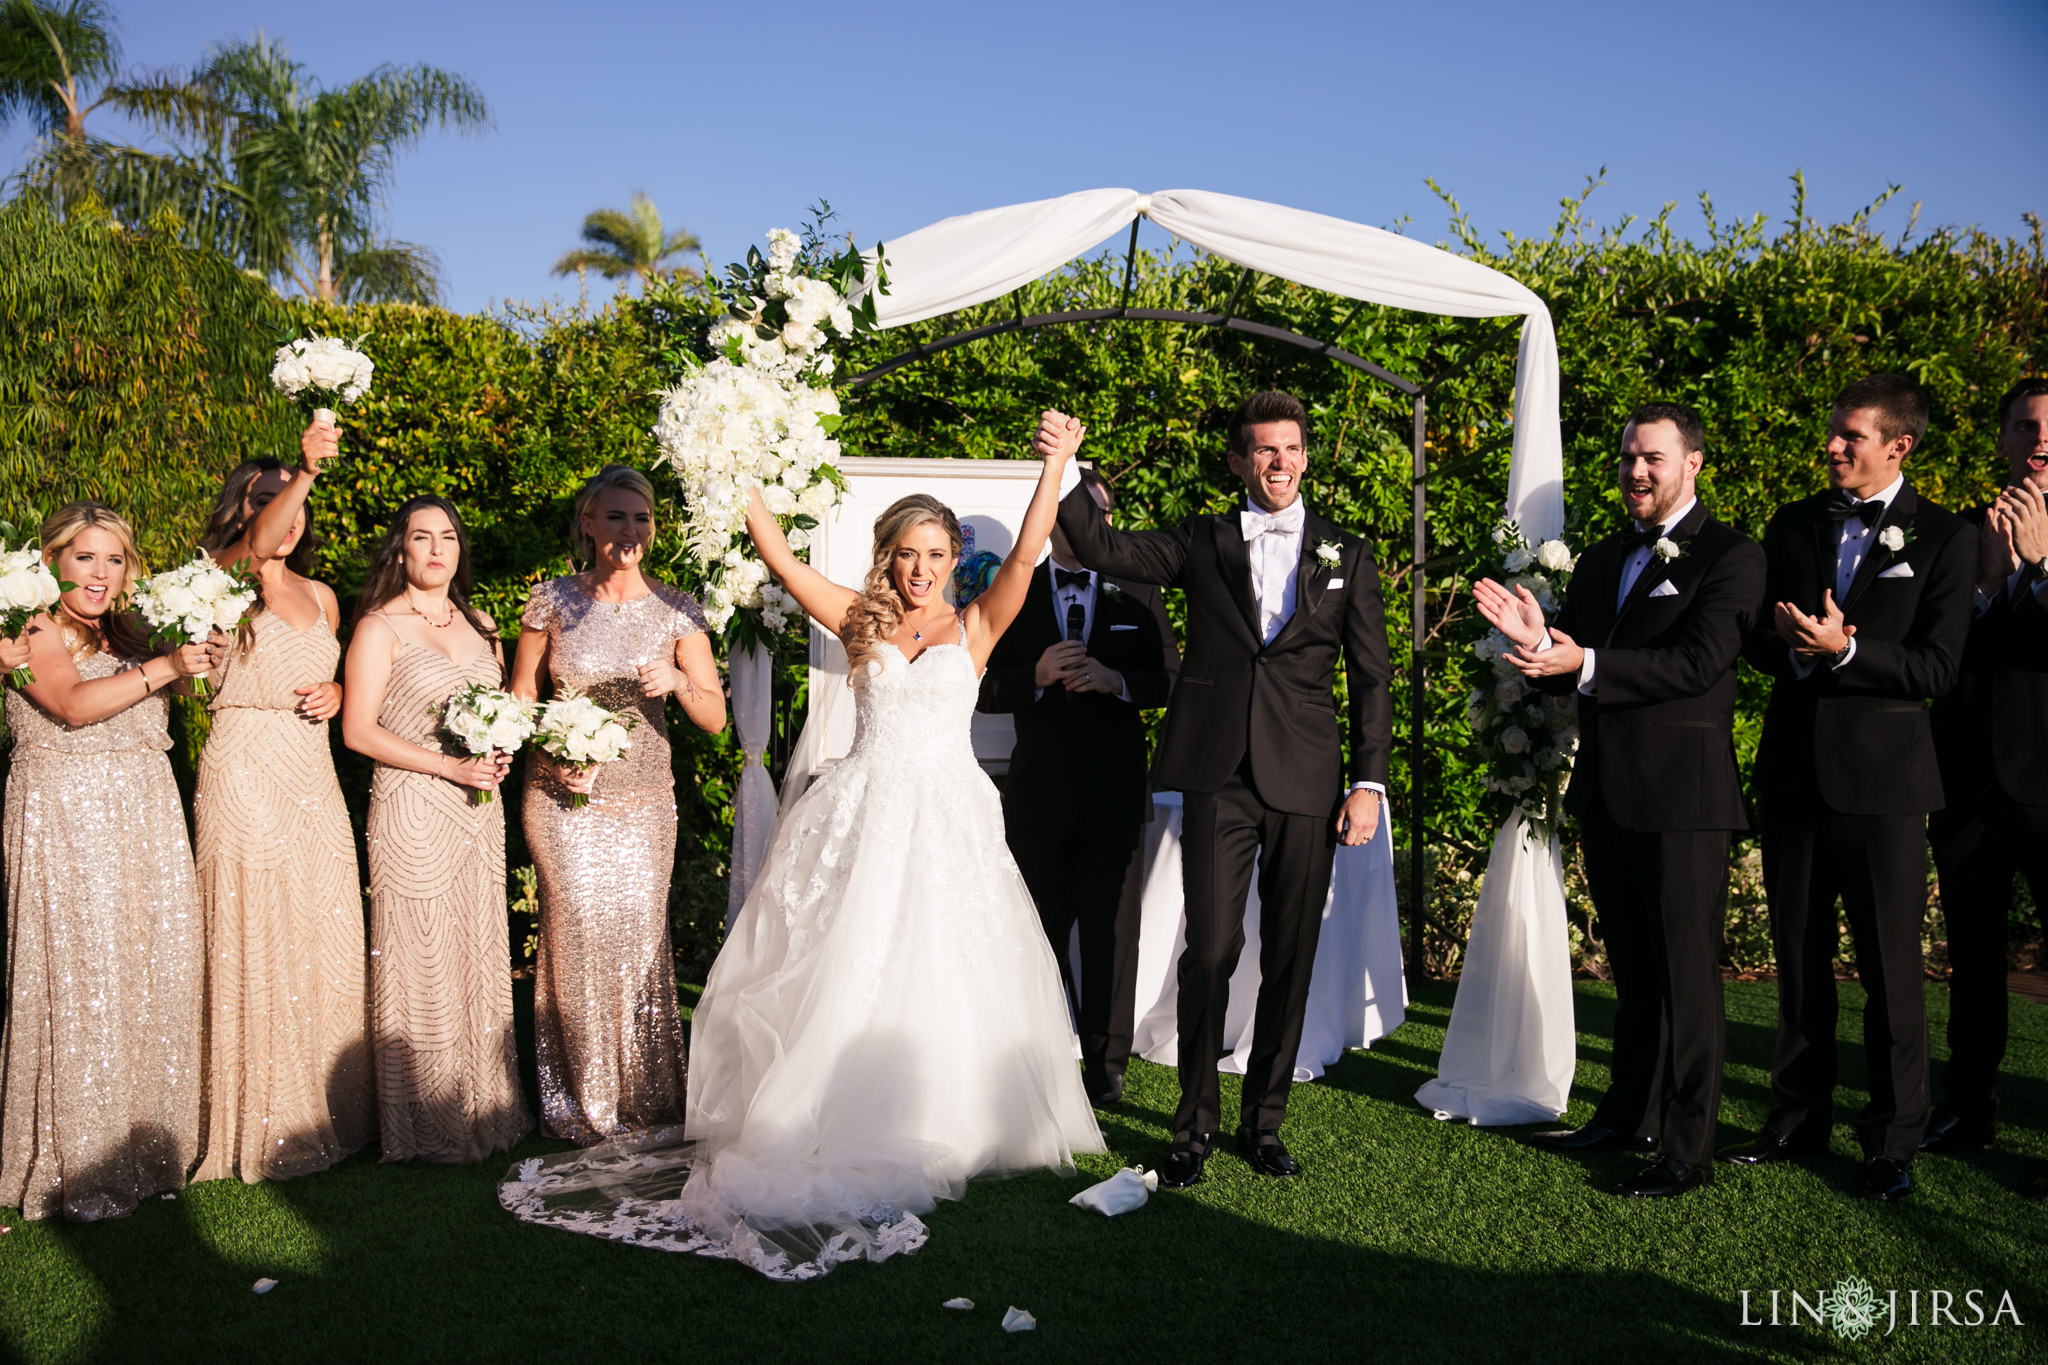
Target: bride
x: 885, y: 1020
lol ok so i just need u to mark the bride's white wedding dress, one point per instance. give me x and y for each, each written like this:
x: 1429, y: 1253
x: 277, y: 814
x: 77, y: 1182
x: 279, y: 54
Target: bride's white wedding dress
x: 884, y: 1022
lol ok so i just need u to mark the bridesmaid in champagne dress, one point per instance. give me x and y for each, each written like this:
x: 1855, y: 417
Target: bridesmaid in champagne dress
x: 607, y: 1033
x: 99, y: 1061
x: 288, y: 1083
x: 440, y: 945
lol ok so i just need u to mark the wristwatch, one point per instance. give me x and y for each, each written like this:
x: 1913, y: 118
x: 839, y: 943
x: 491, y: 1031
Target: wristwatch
x: 1842, y: 655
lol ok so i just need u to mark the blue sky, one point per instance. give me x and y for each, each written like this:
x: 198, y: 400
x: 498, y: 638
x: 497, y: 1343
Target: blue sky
x: 735, y: 116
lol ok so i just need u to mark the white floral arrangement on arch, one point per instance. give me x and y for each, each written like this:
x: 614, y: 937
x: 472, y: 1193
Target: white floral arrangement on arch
x: 1527, y: 739
x: 761, y: 413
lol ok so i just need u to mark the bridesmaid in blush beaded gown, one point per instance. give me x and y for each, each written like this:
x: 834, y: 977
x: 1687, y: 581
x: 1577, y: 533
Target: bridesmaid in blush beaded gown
x: 288, y: 1083
x: 99, y: 1062
x: 440, y: 945
x: 607, y: 1033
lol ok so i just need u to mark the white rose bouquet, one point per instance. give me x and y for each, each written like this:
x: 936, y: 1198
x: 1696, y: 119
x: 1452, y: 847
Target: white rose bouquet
x: 186, y: 604
x: 487, y: 720
x: 761, y: 412
x: 1527, y: 739
x: 320, y: 372
x: 581, y: 734
x: 27, y: 589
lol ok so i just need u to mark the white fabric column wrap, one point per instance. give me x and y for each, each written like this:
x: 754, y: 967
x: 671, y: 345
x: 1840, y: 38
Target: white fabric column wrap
x: 753, y: 812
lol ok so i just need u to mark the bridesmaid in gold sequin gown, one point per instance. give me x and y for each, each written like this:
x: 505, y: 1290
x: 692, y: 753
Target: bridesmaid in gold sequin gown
x: 99, y: 1061
x: 288, y: 1083
x: 440, y: 946
x: 606, y: 1028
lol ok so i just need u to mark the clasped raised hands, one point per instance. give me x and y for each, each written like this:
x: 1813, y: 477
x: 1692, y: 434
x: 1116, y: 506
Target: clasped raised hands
x: 1059, y: 436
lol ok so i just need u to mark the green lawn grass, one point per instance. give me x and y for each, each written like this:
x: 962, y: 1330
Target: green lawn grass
x: 1408, y: 1239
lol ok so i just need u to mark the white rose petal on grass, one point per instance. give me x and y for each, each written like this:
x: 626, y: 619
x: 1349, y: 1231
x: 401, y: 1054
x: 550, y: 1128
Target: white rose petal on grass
x: 959, y: 1305
x: 1017, y: 1320
x: 264, y: 1285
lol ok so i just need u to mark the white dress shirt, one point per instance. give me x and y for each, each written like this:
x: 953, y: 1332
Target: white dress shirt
x: 1852, y: 547
x: 1631, y: 569
x: 1273, y: 541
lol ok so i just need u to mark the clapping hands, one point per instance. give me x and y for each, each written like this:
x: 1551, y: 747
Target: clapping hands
x: 1519, y: 616
x: 1813, y: 638
x: 2015, y: 533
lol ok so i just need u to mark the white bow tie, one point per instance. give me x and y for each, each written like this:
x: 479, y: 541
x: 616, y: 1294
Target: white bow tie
x: 1285, y: 522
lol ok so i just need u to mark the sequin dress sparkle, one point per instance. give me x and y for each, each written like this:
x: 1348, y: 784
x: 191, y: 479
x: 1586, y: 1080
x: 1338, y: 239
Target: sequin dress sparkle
x: 99, y: 1063
x: 440, y: 944
x: 289, y: 1089
x: 885, y: 1021
x: 607, y: 1036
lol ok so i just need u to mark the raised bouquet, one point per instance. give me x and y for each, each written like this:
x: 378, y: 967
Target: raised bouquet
x: 761, y: 413
x: 320, y: 373
x: 1526, y: 738
x: 27, y: 589
x: 581, y: 734
x: 486, y: 720
x: 186, y: 604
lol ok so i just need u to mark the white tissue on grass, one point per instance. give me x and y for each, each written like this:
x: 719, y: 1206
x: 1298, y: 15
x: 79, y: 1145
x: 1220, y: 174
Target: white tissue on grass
x: 1017, y: 1320
x: 963, y: 1305
x: 264, y: 1286
x: 1122, y: 1192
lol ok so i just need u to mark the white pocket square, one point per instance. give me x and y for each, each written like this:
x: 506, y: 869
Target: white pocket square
x: 1117, y: 627
x: 1665, y: 589
x: 1898, y: 571
x: 1334, y: 583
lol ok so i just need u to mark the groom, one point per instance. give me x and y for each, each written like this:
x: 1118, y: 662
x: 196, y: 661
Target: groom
x: 1274, y: 595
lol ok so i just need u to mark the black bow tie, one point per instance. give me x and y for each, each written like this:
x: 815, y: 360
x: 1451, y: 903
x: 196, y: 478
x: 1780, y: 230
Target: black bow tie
x: 1842, y: 506
x: 1069, y: 578
x: 1633, y: 540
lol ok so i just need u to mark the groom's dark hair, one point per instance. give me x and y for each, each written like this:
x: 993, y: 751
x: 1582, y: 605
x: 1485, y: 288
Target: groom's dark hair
x: 1270, y: 406
x: 1692, y: 432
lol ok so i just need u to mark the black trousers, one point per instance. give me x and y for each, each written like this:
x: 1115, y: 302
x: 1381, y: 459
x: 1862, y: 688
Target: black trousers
x: 1877, y: 865
x: 1076, y: 875
x: 1661, y: 899
x: 1223, y: 833
x: 1978, y: 845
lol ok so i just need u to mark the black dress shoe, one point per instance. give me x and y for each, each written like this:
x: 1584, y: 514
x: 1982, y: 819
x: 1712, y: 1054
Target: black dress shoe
x: 1666, y: 1179
x: 1184, y: 1163
x: 1771, y: 1145
x: 1953, y: 1133
x: 1261, y: 1148
x: 1105, y: 1092
x: 1593, y: 1137
x: 1885, y: 1180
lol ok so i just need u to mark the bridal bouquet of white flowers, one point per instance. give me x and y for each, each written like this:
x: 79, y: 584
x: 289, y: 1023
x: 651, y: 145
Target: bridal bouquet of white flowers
x: 1528, y: 739
x: 761, y: 413
x: 27, y: 589
x: 581, y: 734
x: 186, y: 604
x: 487, y: 720
x: 318, y: 372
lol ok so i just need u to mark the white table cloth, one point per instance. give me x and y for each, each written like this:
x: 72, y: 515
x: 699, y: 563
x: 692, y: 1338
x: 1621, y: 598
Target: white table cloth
x: 1358, y: 993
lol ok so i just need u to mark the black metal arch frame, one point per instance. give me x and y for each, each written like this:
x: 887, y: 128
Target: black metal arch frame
x: 1418, y: 864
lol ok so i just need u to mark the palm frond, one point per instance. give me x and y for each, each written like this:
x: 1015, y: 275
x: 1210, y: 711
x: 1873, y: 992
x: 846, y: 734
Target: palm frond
x: 389, y: 272
x: 609, y: 264
x: 170, y: 102
x: 45, y: 45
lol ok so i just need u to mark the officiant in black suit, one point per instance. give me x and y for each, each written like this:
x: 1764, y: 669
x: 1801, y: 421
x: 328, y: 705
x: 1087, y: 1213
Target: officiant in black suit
x: 1868, y: 606
x: 1991, y: 738
x: 1275, y: 596
x: 1083, y: 658
x: 1650, y: 634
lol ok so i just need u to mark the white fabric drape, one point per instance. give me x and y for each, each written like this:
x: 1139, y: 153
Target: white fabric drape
x: 1510, y: 1048
x: 753, y: 810
x: 979, y: 256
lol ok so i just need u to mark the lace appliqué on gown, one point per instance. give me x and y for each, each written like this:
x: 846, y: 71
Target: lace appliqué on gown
x: 884, y: 1022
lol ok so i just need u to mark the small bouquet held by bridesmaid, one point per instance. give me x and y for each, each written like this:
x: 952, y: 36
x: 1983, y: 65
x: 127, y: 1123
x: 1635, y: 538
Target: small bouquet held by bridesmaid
x: 580, y: 734
x: 319, y: 372
x: 186, y: 604
x: 27, y: 588
x: 487, y: 720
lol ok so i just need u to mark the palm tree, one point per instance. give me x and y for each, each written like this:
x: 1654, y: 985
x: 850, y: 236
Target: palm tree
x: 312, y: 166
x: 629, y: 243
x: 60, y: 63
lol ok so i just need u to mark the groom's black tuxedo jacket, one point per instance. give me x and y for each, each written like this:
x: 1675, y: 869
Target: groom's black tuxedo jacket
x: 1083, y: 750
x: 1992, y: 727
x: 1657, y: 737
x: 1859, y: 736
x: 1237, y: 693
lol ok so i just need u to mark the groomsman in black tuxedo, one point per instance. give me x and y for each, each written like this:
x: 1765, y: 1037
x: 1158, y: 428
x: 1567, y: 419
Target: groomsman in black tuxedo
x: 1083, y: 657
x: 1649, y: 635
x: 1869, y: 602
x: 1275, y: 595
x: 1991, y: 738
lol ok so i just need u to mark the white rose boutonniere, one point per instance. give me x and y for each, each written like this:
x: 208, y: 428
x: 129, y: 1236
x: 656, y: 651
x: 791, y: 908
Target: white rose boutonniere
x: 1892, y: 538
x: 1111, y: 590
x: 1328, y: 552
x: 1667, y: 549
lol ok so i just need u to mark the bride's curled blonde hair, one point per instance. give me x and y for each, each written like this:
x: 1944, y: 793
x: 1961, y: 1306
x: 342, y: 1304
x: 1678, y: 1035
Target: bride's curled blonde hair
x: 878, y: 611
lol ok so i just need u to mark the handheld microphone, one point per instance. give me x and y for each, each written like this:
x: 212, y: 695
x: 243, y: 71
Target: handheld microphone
x: 1076, y: 618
